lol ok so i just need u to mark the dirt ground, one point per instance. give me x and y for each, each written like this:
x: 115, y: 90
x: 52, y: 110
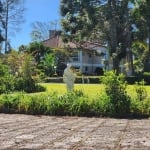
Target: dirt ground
x: 27, y: 132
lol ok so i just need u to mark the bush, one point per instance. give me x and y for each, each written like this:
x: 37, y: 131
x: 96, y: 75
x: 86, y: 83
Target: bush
x: 140, y: 90
x: 28, y: 85
x: 79, y: 79
x: 115, y: 87
x: 146, y: 77
x: 74, y: 103
x: 100, y: 106
x: 99, y: 71
x: 131, y: 79
x: 6, y: 79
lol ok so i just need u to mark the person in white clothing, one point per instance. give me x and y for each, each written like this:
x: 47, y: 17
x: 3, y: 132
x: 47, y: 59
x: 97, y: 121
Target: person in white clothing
x: 69, y: 77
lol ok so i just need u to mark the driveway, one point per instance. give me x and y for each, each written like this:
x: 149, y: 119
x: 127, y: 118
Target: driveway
x: 27, y: 132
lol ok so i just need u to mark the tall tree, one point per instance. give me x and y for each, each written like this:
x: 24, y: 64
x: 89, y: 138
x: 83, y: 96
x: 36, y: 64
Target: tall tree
x: 1, y: 24
x: 12, y: 17
x: 40, y: 30
x: 77, y: 20
x: 119, y: 30
x: 108, y: 19
x: 141, y: 18
x: 37, y: 50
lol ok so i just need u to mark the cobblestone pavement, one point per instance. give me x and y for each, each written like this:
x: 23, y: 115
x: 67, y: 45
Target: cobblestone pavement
x: 27, y: 132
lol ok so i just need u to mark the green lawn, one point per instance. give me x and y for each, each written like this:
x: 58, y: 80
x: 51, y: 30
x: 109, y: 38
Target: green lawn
x: 90, y: 89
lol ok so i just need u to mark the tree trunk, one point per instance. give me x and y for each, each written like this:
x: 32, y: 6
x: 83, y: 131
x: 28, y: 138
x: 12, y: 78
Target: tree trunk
x: 147, y: 61
x: 116, y: 65
x: 6, y: 30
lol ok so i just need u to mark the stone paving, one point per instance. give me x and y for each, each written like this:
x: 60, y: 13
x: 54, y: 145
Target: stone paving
x: 27, y: 132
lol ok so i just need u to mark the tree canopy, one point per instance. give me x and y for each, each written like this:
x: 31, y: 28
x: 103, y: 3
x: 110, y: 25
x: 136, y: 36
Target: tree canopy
x: 110, y: 22
x: 12, y: 16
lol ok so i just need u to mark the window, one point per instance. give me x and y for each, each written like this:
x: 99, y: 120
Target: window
x: 75, y: 57
x: 86, y: 68
x: 90, y: 55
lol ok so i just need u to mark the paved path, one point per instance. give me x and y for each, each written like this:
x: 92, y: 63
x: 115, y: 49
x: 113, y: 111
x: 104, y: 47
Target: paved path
x: 26, y: 132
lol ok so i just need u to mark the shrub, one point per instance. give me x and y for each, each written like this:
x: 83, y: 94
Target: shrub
x: 140, y: 108
x: 37, y: 104
x: 140, y: 90
x: 80, y: 107
x: 6, y: 79
x: 28, y: 85
x: 74, y: 103
x: 100, y: 105
x: 146, y: 77
x: 115, y: 87
x: 9, y: 103
x: 131, y: 79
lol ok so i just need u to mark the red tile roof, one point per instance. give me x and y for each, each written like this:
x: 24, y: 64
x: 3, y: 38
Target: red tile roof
x: 57, y: 42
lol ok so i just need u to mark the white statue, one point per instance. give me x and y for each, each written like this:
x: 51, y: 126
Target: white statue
x: 69, y: 77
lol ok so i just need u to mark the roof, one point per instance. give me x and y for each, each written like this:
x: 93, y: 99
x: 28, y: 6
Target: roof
x: 57, y: 42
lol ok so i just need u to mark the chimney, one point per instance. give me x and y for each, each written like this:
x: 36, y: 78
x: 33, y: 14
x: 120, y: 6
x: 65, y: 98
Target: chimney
x: 52, y: 33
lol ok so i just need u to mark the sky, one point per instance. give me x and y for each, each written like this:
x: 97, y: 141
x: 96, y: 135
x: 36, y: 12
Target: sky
x: 36, y: 10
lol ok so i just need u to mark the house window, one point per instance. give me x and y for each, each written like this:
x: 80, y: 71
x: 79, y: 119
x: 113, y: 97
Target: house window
x: 90, y: 55
x: 86, y: 68
x: 75, y: 57
x: 83, y: 53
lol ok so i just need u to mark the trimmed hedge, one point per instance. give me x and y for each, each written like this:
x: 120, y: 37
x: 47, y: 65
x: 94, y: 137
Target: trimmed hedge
x: 79, y: 79
x: 97, y: 79
x: 54, y: 80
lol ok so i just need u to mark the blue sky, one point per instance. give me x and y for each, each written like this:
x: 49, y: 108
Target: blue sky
x: 36, y: 10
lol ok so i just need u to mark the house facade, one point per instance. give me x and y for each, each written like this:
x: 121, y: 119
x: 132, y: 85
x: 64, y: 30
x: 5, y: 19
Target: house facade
x: 88, y: 59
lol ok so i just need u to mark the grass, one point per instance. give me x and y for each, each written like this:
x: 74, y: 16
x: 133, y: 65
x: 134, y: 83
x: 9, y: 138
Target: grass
x: 91, y: 90
x: 88, y: 89
x: 57, y: 101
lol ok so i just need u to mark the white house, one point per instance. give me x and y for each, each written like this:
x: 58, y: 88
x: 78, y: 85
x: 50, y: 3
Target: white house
x: 89, y: 57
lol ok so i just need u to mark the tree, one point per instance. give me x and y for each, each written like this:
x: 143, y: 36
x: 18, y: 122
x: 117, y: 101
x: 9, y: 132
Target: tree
x: 40, y: 30
x: 1, y: 23
x: 6, y: 79
x: 12, y: 17
x: 61, y: 58
x: 37, y: 50
x: 141, y: 20
x: 77, y: 20
x: 139, y: 49
x: 109, y: 19
x: 47, y: 65
x: 22, y: 69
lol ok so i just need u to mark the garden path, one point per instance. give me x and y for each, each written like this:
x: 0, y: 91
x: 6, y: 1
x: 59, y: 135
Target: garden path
x: 27, y: 132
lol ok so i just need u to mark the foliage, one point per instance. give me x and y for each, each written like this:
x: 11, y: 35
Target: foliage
x: 141, y: 32
x: 6, y: 79
x: 12, y: 14
x: 139, y: 49
x: 140, y: 90
x: 44, y: 58
x: 70, y: 103
x: 47, y: 65
x: 115, y: 87
x: 1, y: 23
x: 41, y: 30
x: 38, y: 51
x: 108, y: 21
x: 140, y: 108
x: 19, y: 73
x: 101, y: 105
x: 24, y: 81
x: 61, y: 57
